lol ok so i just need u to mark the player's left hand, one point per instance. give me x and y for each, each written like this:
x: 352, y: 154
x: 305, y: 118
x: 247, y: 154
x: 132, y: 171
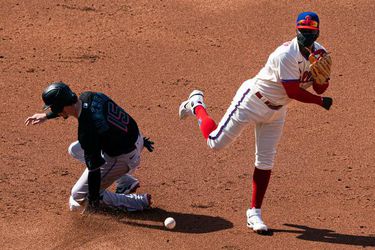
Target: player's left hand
x: 320, y: 67
x: 36, y: 119
x: 147, y: 143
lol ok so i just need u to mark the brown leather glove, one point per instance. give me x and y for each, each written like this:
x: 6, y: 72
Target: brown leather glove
x: 320, y: 67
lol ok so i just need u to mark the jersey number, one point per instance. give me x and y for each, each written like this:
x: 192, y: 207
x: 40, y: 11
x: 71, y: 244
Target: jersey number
x: 117, y: 117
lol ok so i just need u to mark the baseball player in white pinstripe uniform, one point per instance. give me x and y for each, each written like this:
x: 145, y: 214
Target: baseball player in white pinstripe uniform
x: 263, y: 101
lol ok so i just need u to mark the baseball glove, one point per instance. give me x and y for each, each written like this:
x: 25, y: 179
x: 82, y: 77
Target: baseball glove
x: 320, y: 66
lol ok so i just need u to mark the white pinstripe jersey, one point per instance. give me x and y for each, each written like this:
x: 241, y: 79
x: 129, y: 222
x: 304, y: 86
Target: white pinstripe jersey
x: 285, y: 64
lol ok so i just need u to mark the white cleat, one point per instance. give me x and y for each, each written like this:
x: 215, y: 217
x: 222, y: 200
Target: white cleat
x: 187, y: 107
x: 255, y: 222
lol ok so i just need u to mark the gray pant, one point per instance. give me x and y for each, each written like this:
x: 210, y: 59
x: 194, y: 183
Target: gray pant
x: 112, y: 170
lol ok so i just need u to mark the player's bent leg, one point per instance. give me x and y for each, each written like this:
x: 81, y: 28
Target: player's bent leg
x: 195, y: 105
x: 239, y: 114
x: 224, y: 135
x: 127, y: 184
x: 140, y: 143
x: 76, y: 151
x: 111, y: 170
x: 128, y: 202
x: 205, y: 122
x: 187, y: 107
x: 261, y: 179
x: 79, y: 192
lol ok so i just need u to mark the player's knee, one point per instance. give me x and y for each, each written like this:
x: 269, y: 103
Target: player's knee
x: 212, y: 144
x: 218, y: 143
x: 77, y: 195
x: 72, y: 149
x: 264, y: 164
x: 73, y: 204
x: 264, y: 167
x: 76, y: 151
x: 264, y: 161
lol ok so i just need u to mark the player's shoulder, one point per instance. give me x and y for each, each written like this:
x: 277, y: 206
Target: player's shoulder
x: 319, y: 46
x: 98, y: 110
x: 91, y: 98
x: 287, y: 50
x: 86, y: 95
x: 289, y: 47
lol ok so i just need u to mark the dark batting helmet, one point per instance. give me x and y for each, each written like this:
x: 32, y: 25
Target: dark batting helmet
x: 58, y: 95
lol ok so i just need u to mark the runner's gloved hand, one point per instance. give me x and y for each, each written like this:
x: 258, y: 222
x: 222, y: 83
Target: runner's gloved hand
x: 147, y: 143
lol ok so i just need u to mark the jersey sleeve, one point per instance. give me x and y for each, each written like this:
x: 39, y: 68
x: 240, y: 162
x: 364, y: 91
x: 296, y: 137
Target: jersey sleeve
x: 319, y: 46
x: 51, y: 115
x: 93, y: 158
x: 288, y: 69
x: 90, y: 143
x: 99, y: 113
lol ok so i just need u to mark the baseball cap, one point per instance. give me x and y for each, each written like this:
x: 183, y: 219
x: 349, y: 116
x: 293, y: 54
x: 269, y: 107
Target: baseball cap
x: 308, y: 20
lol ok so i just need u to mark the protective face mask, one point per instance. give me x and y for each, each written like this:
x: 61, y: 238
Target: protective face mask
x: 306, y: 39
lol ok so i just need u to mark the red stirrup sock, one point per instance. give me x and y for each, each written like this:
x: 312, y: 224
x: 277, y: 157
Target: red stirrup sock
x: 205, y: 122
x: 261, y: 179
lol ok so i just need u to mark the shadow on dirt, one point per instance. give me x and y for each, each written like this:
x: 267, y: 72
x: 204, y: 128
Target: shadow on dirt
x: 328, y: 236
x: 185, y: 223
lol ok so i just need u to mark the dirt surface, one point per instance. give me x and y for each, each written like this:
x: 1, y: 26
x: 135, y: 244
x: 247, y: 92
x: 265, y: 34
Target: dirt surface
x: 148, y: 56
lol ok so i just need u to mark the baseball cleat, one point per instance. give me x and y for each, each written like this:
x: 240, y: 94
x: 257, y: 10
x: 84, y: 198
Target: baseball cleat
x: 127, y: 184
x: 187, y: 107
x: 255, y: 222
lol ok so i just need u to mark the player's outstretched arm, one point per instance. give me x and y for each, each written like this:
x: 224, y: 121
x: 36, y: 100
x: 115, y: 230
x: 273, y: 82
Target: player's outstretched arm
x: 320, y: 88
x: 36, y: 119
x: 294, y: 91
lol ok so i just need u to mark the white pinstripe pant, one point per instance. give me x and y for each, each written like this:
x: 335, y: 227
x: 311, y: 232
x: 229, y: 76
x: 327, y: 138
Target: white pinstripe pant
x: 246, y: 108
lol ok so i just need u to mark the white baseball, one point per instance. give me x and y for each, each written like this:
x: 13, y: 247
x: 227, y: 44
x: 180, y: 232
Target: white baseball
x: 169, y: 223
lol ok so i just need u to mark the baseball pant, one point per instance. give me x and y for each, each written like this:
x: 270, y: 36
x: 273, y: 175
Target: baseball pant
x: 112, y: 170
x: 246, y: 108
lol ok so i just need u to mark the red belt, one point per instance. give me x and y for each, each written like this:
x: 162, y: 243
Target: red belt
x: 268, y: 103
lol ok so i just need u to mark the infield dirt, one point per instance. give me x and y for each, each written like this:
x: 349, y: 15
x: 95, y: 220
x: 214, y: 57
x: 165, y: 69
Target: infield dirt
x: 148, y: 56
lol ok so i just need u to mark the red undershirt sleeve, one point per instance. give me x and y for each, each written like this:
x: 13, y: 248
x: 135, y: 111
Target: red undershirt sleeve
x: 294, y: 91
x: 320, y: 88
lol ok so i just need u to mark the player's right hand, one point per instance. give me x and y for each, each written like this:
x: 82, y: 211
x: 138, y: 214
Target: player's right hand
x: 147, y: 143
x: 327, y: 102
x: 36, y: 119
x: 92, y: 205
